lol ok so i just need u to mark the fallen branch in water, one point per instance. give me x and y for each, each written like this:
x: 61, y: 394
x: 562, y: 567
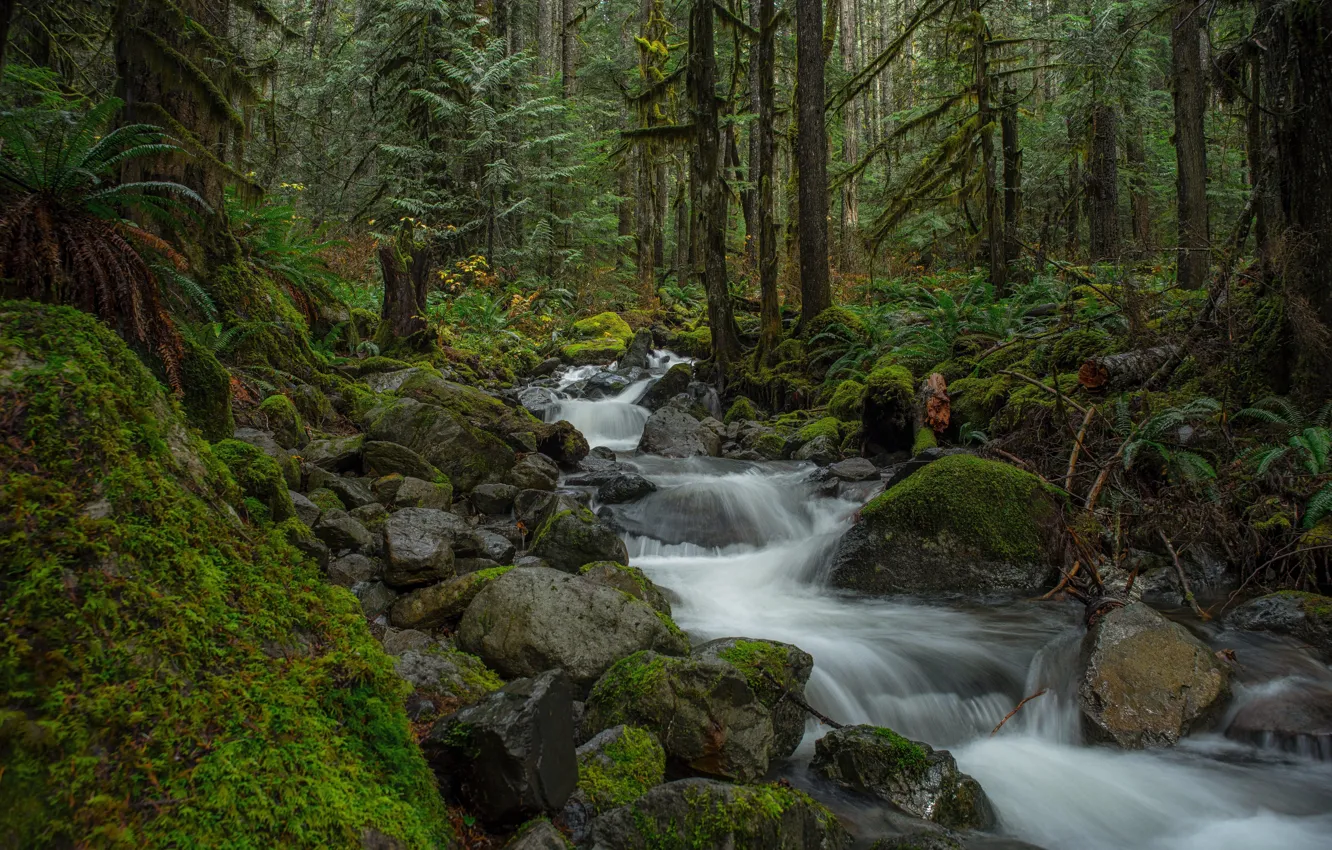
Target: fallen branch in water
x: 820, y: 716
x: 1015, y: 710
x: 1184, y: 580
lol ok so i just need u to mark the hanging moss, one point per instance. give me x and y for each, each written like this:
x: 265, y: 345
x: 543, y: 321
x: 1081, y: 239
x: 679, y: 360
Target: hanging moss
x: 171, y: 679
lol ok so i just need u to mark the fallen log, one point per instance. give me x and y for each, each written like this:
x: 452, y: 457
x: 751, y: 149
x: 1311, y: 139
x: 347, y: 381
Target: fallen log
x: 1124, y: 371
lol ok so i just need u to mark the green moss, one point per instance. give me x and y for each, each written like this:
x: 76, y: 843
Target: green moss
x: 1027, y: 399
x: 749, y: 816
x: 206, y: 399
x: 604, y: 326
x: 828, y: 426
x: 925, y: 439
x: 838, y: 321
x: 754, y: 659
x: 771, y: 445
x: 976, y: 400
x: 629, y: 680
x: 258, y: 477
x: 906, y: 756
x: 789, y: 350
x: 623, y: 770
x: 283, y: 420
x: 488, y: 575
x: 741, y: 410
x: 993, y: 508
x: 847, y: 400
x: 326, y: 500
x: 1312, y: 604
x: 374, y: 365
x: 592, y: 353
x: 1076, y: 346
x: 890, y: 384
x: 694, y: 343
x: 169, y: 679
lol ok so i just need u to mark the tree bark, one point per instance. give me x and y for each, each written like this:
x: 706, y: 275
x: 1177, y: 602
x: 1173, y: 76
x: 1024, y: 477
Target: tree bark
x: 569, y: 47
x: 1124, y: 371
x: 815, y: 293
x: 7, y: 10
x: 1072, y: 211
x: 546, y: 37
x: 404, y: 297
x: 1103, y: 185
x: 1190, y: 96
x: 850, y: 140
x: 1012, y: 177
x: 770, y: 323
x: 1140, y: 207
x: 708, y: 184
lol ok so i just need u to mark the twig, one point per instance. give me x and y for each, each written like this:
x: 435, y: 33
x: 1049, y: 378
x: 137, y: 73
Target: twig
x: 1025, y: 700
x: 1095, y: 492
x: 1063, y: 582
x: 1051, y: 390
x: 822, y: 718
x: 1183, y: 579
x: 1077, y: 448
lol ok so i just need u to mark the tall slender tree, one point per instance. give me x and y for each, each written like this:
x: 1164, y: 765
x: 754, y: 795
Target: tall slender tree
x: 1189, y: 85
x: 770, y: 320
x: 812, y: 160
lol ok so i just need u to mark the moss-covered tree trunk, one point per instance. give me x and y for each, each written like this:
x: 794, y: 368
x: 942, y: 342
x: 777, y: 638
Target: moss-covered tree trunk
x: 402, y: 320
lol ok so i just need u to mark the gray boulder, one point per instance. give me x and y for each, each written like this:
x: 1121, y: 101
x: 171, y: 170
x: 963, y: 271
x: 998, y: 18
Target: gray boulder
x: 822, y: 450
x: 720, y: 816
x: 443, y: 679
x: 854, y: 469
x: 339, y: 454
x: 466, y: 454
x: 510, y: 756
x: 418, y: 544
x: 1304, y: 616
x: 534, y: 472
x: 624, y: 488
x: 668, y: 386
x: 306, y: 510
x: 1148, y: 681
x: 535, y: 619
x: 701, y: 709
x: 640, y: 351
x: 496, y: 547
x: 630, y: 580
x: 775, y: 672
x: 432, y: 607
x: 671, y: 432
x: 351, y: 570
x: 375, y: 598
x: 913, y: 776
x: 574, y: 536
x: 416, y: 493
x: 493, y: 499
x: 530, y: 506
x: 381, y: 458
x: 538, y: 835
x: 341, y: 532
x: 350, y: 491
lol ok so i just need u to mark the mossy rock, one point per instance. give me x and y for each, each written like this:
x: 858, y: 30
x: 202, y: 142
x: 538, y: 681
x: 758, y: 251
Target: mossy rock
x: 206, y: 399
x: 569, y: 539
x: 477, y: 407
x: 282, y: 418
x: 326, y: 500
x: 259, y: 477
x: 836, y: 321
x: 847, y: 401
x: 741, y: 410
x: 925, y: 439
x: 829, y: 427
x: 888, y: 411
x: 789, y: 350
x: 313, y: 404
x: 775, y: 672
x: 630, y: 580
x: 593, y: 353
x: 172, y: 679
x: 961, y: 524
x: 604, y: 326
x: 696, y: 343
x: 1306, y: 616
x: 1027, y: 400
x: 374, y: 365
x: 771, y: 445
x: 618, y: 766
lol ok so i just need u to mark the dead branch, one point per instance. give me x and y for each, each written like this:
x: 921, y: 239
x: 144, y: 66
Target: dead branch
x: 1051, y: 390
x: 1063, y: 582
x: 1077, y: 448
x: 786, y: 694
x: 1015, y: 710
x: 1183, y: 579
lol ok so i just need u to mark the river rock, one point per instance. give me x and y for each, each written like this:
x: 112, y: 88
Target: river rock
x: 510, y: 756
x: 913, y: 776
x: 624, y: 488
x: 351, y: 570
x: 416, y: 493
x: 562, y: 443
x: 439, y: 604
x: 603, y: 385
x: 466, y: 454
x: 538, y: 835
x: 822, y: 450
x: 339, y: 454
x: 398, y: 641
x: 341, y: 532
x: 671, y: 432
x: 1148, y: 681
x: 306, y: 511
x: 352, y: 492
x: 1296, y: 718
x: 444, y: 679
x: 537, y: 400
x: 720, y: 816
x: 383, y: 458
x: 573, y: 537
x: 702, y: 710
x: 496, y: 547
x: 493, y: 499
x: 535, y: 619
x: 630, y: 580
x: 639, y: 352
x: 375, y: 598
x: 960, y: 525
x: 761, y: 662
x: 418, y: 543
x: 616, y: 767
x: 854, y: 469
x: 534, y: 472
x: 530, y: 507
x: 668, y: 386
x: 1305, y: 616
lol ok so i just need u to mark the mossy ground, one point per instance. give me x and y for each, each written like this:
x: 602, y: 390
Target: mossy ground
x: 169, y: 678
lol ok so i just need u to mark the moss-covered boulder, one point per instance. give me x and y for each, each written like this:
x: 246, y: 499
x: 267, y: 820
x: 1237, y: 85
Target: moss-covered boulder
x: 913, y: 776
x: 534, y: 618
x: 570, y: 538
x: 443, y: 678
x: 593, y: 352
x: 630, y: 580
x: 961, y: 524
x: 170, y: 679
x: 466, y: 454
x: 1304, y: 616
x: 887, y: 414
x: 701, y: 709
x: 440, y: 604
x: 696, y: 343
x: 258, y: 477
x: 701, y: 814
x: 1148, y: 682
x: 206, y: 396
x: 616, y: 767
x: 775, y: 672
x: 280, y: 416
x: 847, y: 401
x: 381, y: 458
x: 603, y: 326
x: 562, y: 443
x: 741, y: 410
x: 476, y: 407
x: 668, y: 386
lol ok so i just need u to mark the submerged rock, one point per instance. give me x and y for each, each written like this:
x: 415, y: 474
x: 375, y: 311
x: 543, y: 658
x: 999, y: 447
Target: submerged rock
x: 701, y: 709
x: 624, y: 488
x: 534, y: 619
x: 913, y: 776
x: 511, y: 756
x: 719, y: 816
x: 1148, y: 682
x: 960, y: 525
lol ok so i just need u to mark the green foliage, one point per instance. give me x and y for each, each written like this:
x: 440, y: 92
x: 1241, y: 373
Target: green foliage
x: 1158, y: 435
x: 208, y: 687
x: 275, y: 239
x: 1307, y: 448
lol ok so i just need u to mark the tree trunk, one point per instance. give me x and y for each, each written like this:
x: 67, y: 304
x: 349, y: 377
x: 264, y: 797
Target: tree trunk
x: 318, y: 17
x: 850, y: 140
x: 684, y: 237
x: 1012, y: 177
x: 1103, y: 185
x: 404, y: 296
x: 1125, y: 371
x: 815, y: 294
x: 7, y: 10
x: 770, y: 324
x: 1072, y: 210
x: 1190, y: 95
x: 750, y: 197
x: 708, y: 184
x: 1299, y: 82
x: 1140, y: 207
x: 568, y: 47
x: 545, y: 37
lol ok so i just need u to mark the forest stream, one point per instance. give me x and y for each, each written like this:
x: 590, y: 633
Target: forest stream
x: 745, y: 547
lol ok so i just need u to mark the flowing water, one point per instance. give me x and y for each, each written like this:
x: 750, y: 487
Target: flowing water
x: 745, y: 547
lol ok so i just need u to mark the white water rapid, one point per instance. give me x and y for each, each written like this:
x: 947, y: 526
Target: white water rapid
x: 744, y: 547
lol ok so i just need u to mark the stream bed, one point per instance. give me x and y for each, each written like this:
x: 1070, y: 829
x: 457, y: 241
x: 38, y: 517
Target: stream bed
x: 744, y: 548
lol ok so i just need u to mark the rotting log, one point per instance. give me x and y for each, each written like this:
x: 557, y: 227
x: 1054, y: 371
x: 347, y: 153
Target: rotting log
x: 933, y: 408
x: 1123, y: 371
